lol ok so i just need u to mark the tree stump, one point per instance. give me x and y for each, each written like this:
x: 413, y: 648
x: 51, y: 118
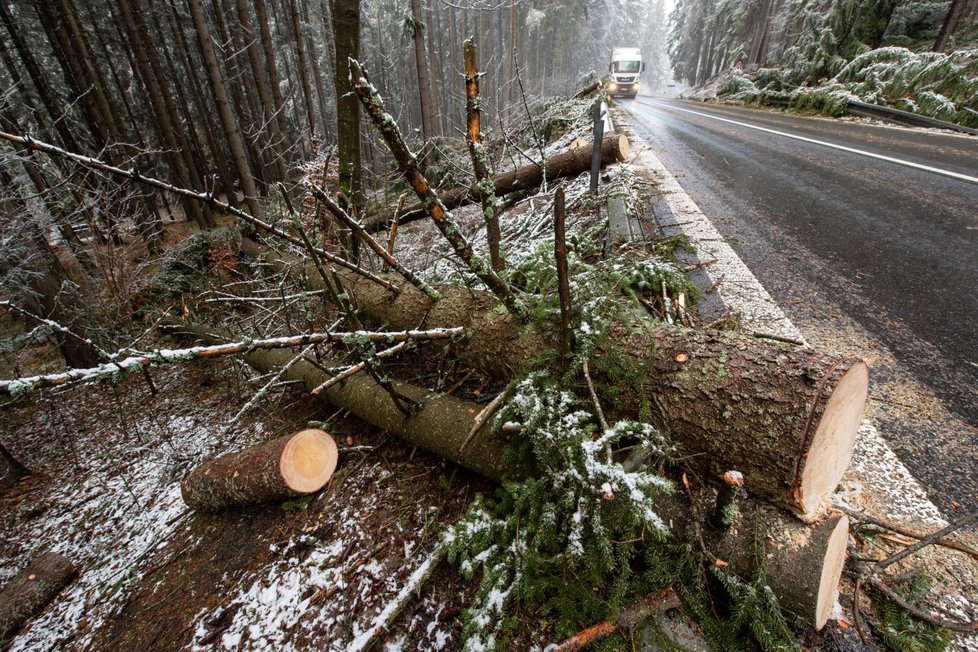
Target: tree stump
x: 30, y: 590
x: 282, y: 468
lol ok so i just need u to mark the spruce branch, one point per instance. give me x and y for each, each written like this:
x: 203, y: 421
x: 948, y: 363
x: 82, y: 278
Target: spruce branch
x: 361, y: 233
x: 433, y: 206
x: 134, y: 363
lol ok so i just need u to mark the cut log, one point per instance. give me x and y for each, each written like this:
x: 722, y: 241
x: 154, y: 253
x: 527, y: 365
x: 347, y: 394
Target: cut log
x: 614, y: 148
x: 804, y: 563
x: 30, y: 590
x: 785, y: 416
x: 283, y: 468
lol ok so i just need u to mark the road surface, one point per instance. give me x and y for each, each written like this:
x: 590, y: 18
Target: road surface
x: 868, y: 238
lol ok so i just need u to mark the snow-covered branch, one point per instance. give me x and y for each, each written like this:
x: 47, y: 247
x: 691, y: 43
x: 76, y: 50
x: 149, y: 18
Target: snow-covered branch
x: 118, y: 369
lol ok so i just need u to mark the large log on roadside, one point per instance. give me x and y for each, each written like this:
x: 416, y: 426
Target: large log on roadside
x: 804, y: 563
x: 785, y: 416
x: 614, y: 147
x: 283, y: 468
x: 30, y: 590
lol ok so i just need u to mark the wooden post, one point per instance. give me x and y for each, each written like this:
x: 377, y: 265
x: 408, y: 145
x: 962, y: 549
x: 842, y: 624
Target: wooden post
x: 563, y: 284
x: 596, y: 153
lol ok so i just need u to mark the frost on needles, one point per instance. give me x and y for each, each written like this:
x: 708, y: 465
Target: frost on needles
x: 563, y: 535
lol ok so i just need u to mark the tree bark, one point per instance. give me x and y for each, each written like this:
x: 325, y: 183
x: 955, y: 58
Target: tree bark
x: 346, y: 39
x: 30, y: 590
x: 480, y: 159
x: 421, y: 63
x: 303, y: 72
x: 272, y: 139
x: 228, y: 121
x: 804, y: 563
x: 614, y: 147
x: 783, y: 415
x: 283, y: 468
x: 956, y: 14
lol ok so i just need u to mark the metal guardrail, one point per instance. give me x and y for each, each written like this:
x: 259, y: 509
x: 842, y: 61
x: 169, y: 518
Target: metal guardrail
x: 903, y: 117
x: 897, y: 116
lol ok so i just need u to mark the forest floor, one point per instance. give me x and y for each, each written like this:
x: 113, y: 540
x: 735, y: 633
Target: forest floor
x: 301, y: 575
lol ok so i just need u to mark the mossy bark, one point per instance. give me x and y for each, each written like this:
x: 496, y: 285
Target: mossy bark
x: 30, y: 590
x: 731, y: 402
x: 440, y: 425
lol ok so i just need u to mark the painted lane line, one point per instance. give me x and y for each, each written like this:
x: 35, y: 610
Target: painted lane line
x: 851, y: 150
x: 877, y: 480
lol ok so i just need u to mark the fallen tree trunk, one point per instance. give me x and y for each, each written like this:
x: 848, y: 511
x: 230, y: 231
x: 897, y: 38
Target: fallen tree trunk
x: 30, y: 590
x: 283, y: 468
x: 614, y: 147
x: 785, y: 416
x: 804, y: 563
x: 440, y: 424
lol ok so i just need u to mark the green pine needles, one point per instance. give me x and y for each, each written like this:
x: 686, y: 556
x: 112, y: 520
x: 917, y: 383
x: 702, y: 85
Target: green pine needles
x: 564, y: 538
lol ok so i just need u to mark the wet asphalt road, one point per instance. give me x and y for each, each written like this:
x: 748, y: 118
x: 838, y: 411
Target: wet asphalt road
x: 892, y: 248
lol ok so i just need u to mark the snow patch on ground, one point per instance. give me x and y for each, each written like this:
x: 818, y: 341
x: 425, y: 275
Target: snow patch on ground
x: 117, y: 504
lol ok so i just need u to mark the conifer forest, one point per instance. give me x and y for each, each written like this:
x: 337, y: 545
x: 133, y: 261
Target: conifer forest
x: 395, y: 325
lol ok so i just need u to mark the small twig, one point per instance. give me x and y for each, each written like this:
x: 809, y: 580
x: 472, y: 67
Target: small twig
x: 968, y: 627
x: 482, y: 418
x: 856, y: 620
x: 387, y: 615
x: 866, y: 518
x: 629, y: 618
x: 386, y: 353
x: 594, y: 397
x: 362, y: 234
x: 776, y: 338
x: 397, y: 221
x: 928, y: 540
x: 666, y: 303
x: 563, y: 282
x: 264, y: 390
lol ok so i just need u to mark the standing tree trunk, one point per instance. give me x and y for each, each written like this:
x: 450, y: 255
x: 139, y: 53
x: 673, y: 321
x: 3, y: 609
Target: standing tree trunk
x: 300, y: 49
x: 421, y: 61
x: 346, y: 40
x: 271, y: 137
x: 956, y: 15
x: 219, y: 90
x: 267, y: 46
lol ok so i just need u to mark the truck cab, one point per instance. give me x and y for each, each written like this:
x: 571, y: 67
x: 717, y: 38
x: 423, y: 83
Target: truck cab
x: 625, y: 67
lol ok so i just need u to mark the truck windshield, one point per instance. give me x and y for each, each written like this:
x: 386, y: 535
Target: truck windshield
x: 627, y: 66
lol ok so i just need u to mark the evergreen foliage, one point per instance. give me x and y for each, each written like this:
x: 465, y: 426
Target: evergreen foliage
x: 901, y: 632
x: 566, y: 536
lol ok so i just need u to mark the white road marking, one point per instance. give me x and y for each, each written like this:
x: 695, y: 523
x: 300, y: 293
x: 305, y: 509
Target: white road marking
x: 877, y: 478
x: 851, y: 150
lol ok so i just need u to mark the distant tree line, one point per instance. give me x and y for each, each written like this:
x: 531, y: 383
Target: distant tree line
x: 710, y: 36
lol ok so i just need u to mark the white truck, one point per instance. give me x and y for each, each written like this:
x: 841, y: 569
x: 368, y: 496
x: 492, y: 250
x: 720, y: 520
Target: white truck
x: 625, y: 68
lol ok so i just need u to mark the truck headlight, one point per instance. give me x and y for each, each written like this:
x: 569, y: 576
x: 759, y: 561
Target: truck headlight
x: 612, y: 86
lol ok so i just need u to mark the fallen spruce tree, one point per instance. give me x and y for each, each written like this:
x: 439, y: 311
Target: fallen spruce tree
x: 785, y: 416
x: 802, y: 563
x: 614, y: 149
x: 574, y: 522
